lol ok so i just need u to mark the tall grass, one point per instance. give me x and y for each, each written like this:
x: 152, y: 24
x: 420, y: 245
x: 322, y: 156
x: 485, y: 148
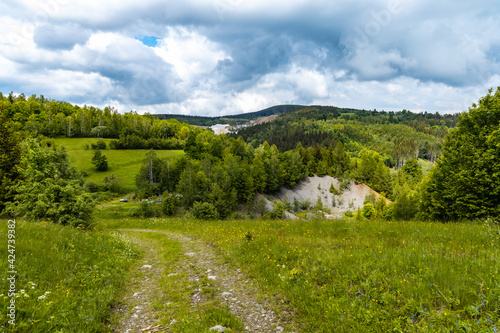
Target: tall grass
x: 67, y: 278
x: 366, y: 276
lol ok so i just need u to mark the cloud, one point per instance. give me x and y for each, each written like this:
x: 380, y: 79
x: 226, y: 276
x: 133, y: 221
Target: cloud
x: 60, y: 37
x: 229, y: 56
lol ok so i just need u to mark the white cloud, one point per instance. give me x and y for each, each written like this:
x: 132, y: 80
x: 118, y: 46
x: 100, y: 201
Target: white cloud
x: 230, y: 56
x: 190, y: 53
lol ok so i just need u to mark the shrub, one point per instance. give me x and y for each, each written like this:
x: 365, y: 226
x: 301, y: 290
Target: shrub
x: 204, y: 211
x: 349, y: 214
x: 278, y: 211
x: 405, y: 207
x: 91, y: 187
x: 369, y: 211
x: 305, y: 204
x: 100, y: 144
x: 146, y: 209
x: 100, y: 161
x: 168, y: 205
x: 296, y: 204
x: 286, y: 202
x: 112, y: 184
x: 261, y: 206
x: 334, y: 190
x: 50, y: 188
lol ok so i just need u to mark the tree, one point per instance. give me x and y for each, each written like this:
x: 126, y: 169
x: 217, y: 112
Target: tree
x: 49, y: 189
x: 148, y: 179
x: 10, y: 157
x: 374, y: 172
x: 192, y: 184
x: 100, y: 161
x: 412, y: 171
x: 465, y: 182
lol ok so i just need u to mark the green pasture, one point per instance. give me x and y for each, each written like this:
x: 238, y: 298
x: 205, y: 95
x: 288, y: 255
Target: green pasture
x: 124, y: 164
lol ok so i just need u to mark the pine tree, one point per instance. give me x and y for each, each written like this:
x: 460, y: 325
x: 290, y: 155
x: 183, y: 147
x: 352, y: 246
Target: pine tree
x: 465, y: 182
x: 100, y: 161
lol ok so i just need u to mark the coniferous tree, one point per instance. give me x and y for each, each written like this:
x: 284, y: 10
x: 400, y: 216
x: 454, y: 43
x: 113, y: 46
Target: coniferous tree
x: 465, y: 182
x: 49, y: 188
x: 100, y: 161
x: 10, y: 157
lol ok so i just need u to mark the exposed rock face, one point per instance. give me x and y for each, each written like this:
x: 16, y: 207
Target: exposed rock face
x: 344, y: 198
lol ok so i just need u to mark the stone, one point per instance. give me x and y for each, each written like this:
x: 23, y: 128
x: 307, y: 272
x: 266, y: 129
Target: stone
x: 218, y: 328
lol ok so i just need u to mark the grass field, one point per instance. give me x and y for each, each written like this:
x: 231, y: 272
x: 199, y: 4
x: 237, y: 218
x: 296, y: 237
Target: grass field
x: 336, y: 275
x: 125, y: 164
x: 68, y: 278
x: 365, y: 276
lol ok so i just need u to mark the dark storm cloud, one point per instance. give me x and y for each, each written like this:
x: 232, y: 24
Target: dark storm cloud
x: 254, y: 57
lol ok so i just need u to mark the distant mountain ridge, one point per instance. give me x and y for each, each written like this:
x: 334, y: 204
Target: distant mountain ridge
x: 231, y: 119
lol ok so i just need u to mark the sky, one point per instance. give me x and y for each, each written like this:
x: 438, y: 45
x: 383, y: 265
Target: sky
x: 221, y: 57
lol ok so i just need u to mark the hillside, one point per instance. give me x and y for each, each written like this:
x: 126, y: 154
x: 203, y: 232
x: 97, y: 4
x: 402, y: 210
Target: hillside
x: 237, y: 119
x: 396, y: 135
x: 124, y: 164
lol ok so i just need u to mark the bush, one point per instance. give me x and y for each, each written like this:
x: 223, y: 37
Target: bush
x: 305, y: 205
x: 369, y: 211
x: 296, y: 204
x: 112, y: 184
x: 168, y: 205
x: 100, y: 161
x: 146, y: 209
x: 406, y: 206
x: 349, y: 214
x: 91, y: 187
x: 278, y: 211
x: 334, y: 190
x: 204, y: 211
x: 50, y: 189
x: 100, y: 144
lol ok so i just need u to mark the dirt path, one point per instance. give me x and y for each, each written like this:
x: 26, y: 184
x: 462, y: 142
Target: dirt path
x: 257, y: 311
x: 135, y: 311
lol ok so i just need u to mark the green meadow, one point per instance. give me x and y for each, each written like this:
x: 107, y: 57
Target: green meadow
x: 67, y: 278
x: 335, y: 275
x: 125, y: 164
x: 363, y: 276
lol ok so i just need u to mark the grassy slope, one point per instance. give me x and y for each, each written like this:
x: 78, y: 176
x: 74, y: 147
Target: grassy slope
x: 67, y: 280
x: 124, y: 164
x: 365, y: 276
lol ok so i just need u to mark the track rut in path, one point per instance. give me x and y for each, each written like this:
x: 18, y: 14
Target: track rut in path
x: 258, y: 312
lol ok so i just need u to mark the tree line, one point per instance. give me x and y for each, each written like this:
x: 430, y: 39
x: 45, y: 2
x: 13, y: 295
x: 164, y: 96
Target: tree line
x: 41, y: 116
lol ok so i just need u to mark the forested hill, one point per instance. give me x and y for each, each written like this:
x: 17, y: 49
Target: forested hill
x: 219, y: 173
x: 232, y: 119
x: 396, y: 135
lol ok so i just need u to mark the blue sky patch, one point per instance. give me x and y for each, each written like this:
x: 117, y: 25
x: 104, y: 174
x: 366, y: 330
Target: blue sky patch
x: 150, y: 41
